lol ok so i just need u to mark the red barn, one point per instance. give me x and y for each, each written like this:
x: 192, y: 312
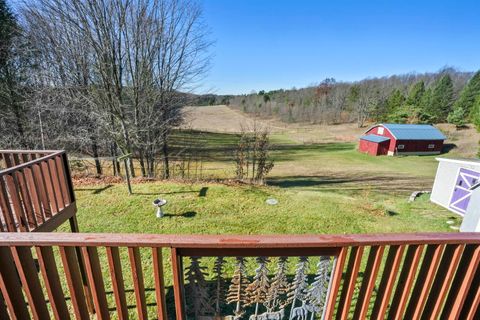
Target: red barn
x: 402, y: 139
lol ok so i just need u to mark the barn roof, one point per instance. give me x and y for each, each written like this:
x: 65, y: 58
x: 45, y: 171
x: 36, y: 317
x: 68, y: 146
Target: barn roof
x: 374, y: 138
x: 414, y: 131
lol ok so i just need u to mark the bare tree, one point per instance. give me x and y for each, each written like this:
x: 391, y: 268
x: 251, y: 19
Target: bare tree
x: 127, y: 62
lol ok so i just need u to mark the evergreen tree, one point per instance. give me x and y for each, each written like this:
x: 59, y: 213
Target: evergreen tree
x: 476, y: 113
x: 442, y: 99
x: 257, y: 290
x: 476, y: 116
x: 415, y: 94
x: 237, y: 292
x: 395, y: 101
x: 463, y: 106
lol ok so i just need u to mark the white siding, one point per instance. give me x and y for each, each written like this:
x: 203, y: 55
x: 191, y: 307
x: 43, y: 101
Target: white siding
x: 446, y: 177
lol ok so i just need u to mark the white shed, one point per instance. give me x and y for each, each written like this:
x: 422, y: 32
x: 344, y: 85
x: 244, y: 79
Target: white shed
x: 454, y: 183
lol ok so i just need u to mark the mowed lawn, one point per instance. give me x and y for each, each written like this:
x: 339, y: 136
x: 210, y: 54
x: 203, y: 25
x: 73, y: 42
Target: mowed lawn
x: 321, y: 189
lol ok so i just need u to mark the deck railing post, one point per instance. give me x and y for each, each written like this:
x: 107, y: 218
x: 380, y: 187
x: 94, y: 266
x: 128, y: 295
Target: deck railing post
x: 81, y: 264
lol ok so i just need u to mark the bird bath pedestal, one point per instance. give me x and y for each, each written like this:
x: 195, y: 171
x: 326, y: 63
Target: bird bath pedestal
x: 159, y: 203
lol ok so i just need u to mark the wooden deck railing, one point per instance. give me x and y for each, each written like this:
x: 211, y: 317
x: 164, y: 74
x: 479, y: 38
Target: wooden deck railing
x: 391, y: 276
x: 36, y: 192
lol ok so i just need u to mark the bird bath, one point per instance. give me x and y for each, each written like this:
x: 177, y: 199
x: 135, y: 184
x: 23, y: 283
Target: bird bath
x: 159, y: 203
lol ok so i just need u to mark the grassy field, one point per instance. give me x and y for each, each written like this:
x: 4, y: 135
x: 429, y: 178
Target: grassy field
x: 323, y: 186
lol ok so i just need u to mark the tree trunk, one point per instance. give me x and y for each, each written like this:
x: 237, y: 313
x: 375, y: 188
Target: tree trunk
x: 98, y: 165
x: 142, y: 164
x: 166, y: 169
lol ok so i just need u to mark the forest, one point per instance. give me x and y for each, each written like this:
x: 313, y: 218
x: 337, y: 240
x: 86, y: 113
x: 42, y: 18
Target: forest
x: 102, y: 78
x: 444, y: 96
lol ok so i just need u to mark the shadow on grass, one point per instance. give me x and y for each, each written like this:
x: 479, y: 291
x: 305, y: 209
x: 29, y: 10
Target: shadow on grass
x: 353, y: 184
x: 161, y: 193
x: 95, y: 190
x: 187, y: 214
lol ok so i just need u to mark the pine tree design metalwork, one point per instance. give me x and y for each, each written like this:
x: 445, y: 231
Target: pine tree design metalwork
x: 277, y: 293
x: 219, y: 282
x: 318, y: 291
x: 237, y: 292
x: 298, y: 288
x: 257, y: 291
x: 197, y: 289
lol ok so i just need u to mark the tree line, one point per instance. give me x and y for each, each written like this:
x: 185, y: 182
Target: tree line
x: 445, y: 96
x: 104, y: 78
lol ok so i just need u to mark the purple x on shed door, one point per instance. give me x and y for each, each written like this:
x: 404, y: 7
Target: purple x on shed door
x: 461, y: 193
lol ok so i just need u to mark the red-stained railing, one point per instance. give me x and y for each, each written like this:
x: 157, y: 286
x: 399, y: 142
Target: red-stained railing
x: 36, y: 192
x: 389, y: 276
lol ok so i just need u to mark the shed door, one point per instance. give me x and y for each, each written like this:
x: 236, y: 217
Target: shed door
x: 461, y: 193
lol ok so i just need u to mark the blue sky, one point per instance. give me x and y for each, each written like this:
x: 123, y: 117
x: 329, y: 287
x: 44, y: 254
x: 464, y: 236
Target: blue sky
x: 271, y: 44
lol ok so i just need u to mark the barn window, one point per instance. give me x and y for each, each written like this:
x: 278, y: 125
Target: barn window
x: 401, y: 146
x: 380, y: 130
x: 431, y: 146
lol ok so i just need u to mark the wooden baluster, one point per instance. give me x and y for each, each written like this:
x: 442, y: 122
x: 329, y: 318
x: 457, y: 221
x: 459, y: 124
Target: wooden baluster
x: 335, y: 283
x: 35, y: 195
x: 30, y: 282
x: 42, y: 191
x: 52, y: 166
x: 443, y: 279
x: 159, y: 283
x: 49, y: 187
x: 368, y: 283
x: 12, y: 186
x: 6, y: 208
x: 74, y: 281
x: 27, y: 200
x: 350, y: 280
x: 405, y: 282
x: 62, y: 179
x: 177, y: 269
x: 424, y: 281
x: 52, y: 282
x: 462, y: 282
x: 471, y: 306
x: 11, y: 287
x: 389, y: 276
x: 95, y: 280
x: 116, y: 273
x: 138, y: 284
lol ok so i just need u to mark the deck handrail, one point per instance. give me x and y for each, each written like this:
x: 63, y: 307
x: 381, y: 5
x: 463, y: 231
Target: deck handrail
x: 236, y: 241
x: 358, y: 276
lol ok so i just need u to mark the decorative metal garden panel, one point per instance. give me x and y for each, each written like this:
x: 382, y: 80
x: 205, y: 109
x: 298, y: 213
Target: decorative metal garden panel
x: 256, y: 288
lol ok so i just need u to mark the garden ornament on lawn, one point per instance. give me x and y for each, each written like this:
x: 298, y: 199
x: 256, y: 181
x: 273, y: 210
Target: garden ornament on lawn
x: 159, y: 203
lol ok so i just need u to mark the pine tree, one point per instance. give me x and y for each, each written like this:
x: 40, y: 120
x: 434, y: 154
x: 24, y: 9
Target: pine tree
x: 237, y: 291
x: 198, y: 297
x: 395, y: 101
x: 277, y: 293
x: 476, y: 113
x: 219, y: 284
x: 299, y: 285
x: 467, y: 98
x: 442, y: 99
x: 319, y: 289
x: 257, y: 290
x: 415, y: 94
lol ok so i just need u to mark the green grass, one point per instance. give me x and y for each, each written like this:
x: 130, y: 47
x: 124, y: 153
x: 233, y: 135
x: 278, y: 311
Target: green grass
x: 326, y: 188
x: 242, y: 210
